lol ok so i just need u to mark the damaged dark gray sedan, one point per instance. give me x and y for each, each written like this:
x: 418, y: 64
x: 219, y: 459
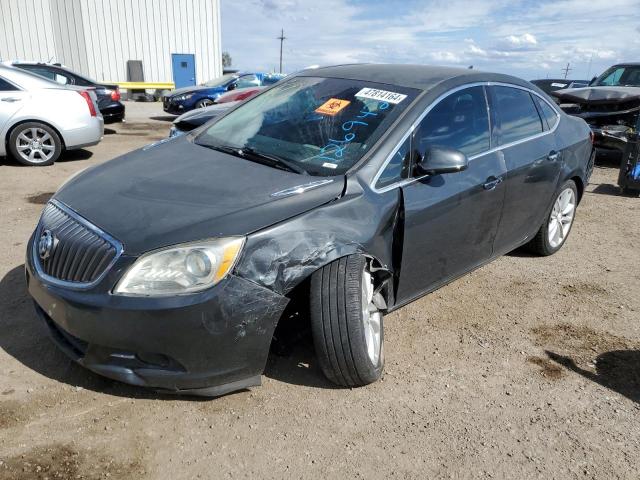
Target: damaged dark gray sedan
x: 355, y: 189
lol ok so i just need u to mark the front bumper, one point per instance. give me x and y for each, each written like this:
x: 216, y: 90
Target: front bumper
x: 175, y: 108
x: 208, y: 343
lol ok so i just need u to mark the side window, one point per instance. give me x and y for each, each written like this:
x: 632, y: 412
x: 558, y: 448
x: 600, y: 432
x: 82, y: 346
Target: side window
x: 42, y: 72
x: 247, y: 81
x: 548, y: 113
x: 517, y: 114
x: 6, y: 86
x: 398, y: 167
x: 459, y: 121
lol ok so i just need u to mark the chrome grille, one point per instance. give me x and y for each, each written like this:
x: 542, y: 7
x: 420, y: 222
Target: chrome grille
x: 81, y: 253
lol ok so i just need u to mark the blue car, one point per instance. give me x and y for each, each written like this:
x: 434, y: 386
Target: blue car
x: 184, y: 99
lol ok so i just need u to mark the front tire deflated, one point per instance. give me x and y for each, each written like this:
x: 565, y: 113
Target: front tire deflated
x: 347, y: 325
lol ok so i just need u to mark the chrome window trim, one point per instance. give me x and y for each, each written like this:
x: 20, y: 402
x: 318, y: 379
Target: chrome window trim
x: 415, y: 124
x: 90, y: 226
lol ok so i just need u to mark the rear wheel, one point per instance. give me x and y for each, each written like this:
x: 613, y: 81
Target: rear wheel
x: 35, y: 144
x: 347, y: 325
x: 557, y: 225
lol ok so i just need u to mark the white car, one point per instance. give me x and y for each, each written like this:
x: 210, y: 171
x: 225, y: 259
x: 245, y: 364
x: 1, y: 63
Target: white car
x: 39, y: 119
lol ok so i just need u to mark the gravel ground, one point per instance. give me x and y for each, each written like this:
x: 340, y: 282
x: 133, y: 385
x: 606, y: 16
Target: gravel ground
x: 526, y: 368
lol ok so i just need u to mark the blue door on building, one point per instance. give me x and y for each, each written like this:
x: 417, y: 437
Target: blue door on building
x: 184, y: 69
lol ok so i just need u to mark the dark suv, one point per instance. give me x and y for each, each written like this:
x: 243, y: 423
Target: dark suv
x: 111, y: 108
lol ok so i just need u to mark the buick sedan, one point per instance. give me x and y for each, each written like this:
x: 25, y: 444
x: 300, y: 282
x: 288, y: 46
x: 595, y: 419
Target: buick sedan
x: 356, y: 189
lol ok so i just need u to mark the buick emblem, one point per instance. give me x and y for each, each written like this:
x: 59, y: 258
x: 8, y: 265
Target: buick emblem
x: 45, y: 244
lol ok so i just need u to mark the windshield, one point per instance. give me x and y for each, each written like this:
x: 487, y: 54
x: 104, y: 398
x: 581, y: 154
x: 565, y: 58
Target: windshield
x: 321, y: 126
x: 620, y: 77
x: 218, y: 82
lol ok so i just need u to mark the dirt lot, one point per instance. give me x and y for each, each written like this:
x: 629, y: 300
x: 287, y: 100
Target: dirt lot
x: 527, y: 368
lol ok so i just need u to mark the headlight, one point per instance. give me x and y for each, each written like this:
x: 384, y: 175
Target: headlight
x: 185, y: 268
x: 183, y: 97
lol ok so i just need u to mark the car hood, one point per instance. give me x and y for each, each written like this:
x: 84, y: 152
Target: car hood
x: 196, y: 88
x: 598, y: 95
x: 177, y: 191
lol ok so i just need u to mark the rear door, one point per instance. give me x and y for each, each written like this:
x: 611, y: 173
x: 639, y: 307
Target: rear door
x: 533, y: 163
x: 450, y: 220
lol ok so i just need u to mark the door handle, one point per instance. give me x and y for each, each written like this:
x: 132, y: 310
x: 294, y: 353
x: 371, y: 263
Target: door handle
x: 553, y: 156
x: 491, y: 183
x: 10, y: 99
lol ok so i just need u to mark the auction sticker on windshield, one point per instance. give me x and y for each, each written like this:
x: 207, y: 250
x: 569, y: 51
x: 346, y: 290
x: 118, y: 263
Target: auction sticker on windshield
x: 382, y: 95
x: 332, y: 106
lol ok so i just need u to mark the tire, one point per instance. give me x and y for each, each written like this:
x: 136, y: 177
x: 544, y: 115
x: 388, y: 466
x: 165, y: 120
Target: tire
x: 45, y: 152
x: 551, y: 237
x: 630, y: 192
x: 205, y: 102
x: 339, y: 325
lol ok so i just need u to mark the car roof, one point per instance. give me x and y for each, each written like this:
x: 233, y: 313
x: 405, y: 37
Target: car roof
x: 422, y: 77
x: 25, y: 79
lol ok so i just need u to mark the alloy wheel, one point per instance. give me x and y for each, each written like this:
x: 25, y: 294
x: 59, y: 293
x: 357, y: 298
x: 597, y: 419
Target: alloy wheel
x: 204, y: 103
x: 561, y: 217
x: 35, y: 145
x: 371, y: 319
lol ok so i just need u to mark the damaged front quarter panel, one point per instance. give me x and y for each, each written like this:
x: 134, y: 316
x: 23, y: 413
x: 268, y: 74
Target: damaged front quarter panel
x: 361, y: 221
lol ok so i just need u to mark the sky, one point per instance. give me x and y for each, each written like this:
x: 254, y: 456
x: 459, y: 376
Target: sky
x: 529, y: 39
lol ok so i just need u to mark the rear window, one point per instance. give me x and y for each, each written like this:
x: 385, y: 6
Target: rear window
x: 517, y: 114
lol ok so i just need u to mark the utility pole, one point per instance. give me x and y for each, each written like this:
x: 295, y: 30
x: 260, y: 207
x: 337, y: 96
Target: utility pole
x: 566, y: 70
x: 282, y: 38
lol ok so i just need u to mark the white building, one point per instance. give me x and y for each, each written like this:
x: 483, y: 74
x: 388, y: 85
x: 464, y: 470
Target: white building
x: 176, y: 40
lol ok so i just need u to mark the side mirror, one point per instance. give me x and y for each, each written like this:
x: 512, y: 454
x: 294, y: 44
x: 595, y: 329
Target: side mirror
x: 438, y: 159
x: 232, y: 86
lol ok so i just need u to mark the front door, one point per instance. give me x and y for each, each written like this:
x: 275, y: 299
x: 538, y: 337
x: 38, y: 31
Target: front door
x: 184, y: 69
x: 451, y: 219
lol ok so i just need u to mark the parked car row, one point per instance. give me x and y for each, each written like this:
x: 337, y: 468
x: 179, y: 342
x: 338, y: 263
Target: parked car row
x: 185, y: 99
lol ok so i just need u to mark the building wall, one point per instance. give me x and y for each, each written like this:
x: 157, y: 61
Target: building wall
x: 97, y: 37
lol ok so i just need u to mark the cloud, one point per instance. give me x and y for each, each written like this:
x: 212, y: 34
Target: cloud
x: 528, y: 39
x: 524, y: 40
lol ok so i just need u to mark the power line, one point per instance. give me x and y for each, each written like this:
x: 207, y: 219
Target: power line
x: 282, y: 38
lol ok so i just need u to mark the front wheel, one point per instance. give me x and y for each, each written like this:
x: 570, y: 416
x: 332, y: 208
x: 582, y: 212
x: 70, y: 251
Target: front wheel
x: 557, y: 225
x: 347, y: 326
x: 205, y: 102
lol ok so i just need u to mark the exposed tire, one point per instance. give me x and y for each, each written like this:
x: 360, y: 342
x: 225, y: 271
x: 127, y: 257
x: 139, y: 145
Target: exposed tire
x: 35, y: 144
x: 344, y: 321
x: 558, y: 222
x: 205, y: 102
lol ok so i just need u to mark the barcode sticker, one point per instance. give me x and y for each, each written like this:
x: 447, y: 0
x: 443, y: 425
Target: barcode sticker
x: 381, y: 95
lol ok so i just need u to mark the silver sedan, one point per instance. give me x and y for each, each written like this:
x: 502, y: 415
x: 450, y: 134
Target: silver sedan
x: 39, y: 119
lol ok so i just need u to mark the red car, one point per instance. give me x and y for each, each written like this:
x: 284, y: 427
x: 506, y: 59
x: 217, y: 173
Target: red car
x: 240, y: 94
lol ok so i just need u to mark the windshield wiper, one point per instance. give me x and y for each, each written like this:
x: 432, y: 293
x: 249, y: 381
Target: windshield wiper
x: 272, y: 160
x: 249, y: 153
